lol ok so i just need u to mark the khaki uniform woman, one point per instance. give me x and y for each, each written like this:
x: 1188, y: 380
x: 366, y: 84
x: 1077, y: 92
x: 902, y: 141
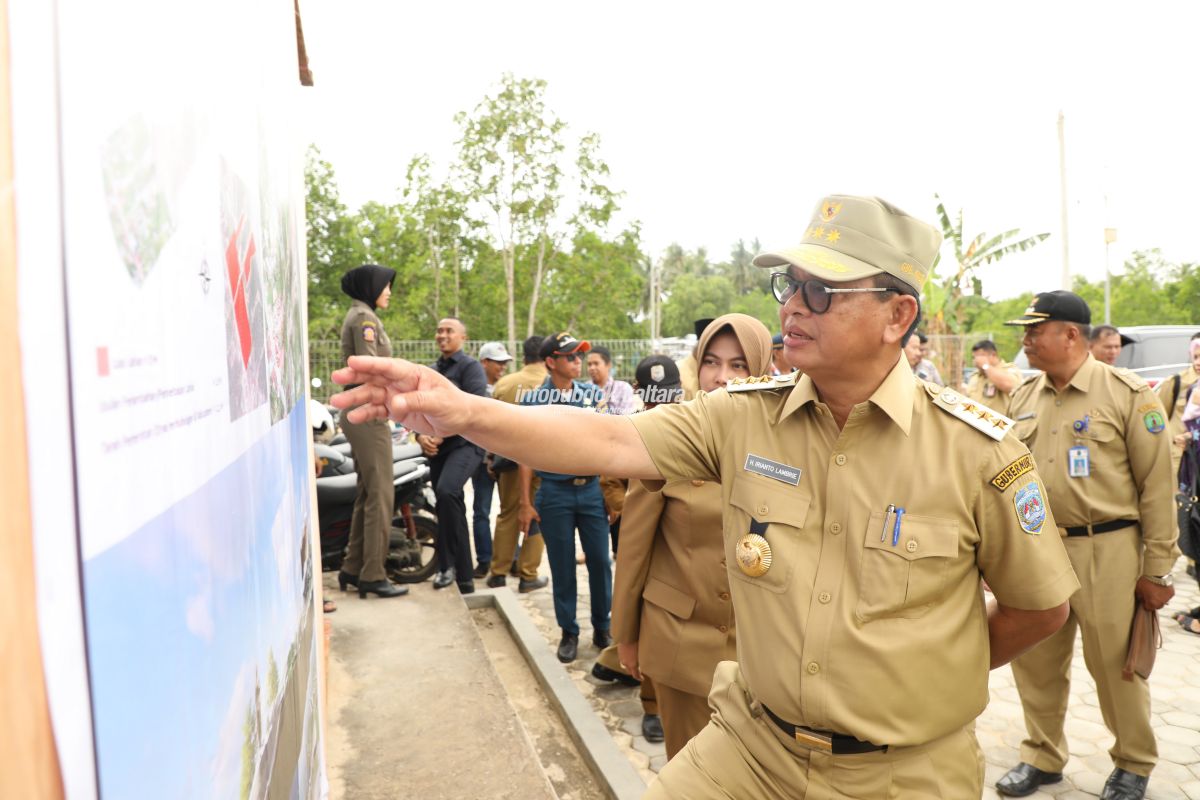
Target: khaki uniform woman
x: 672, y: 613
x: 370, y: 286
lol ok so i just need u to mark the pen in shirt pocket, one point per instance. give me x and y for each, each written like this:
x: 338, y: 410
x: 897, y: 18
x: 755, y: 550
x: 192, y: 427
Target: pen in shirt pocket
x: 887, y: 512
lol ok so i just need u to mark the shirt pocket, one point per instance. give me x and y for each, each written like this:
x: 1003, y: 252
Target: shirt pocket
x: 784, y: 509
x: 1026, y: 431
x: 675, y: 602
x: 905, y: 580
x: 1102, y: 441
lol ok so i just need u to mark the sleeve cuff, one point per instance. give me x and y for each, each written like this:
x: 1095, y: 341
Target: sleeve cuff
x: 1040, y: 598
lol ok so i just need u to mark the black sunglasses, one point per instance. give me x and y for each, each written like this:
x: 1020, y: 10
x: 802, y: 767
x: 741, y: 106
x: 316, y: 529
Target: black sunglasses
x: 567, y: 356
x: 816, y: 295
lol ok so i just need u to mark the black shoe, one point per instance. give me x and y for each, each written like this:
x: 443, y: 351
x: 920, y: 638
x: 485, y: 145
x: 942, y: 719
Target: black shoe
x: 1124, y: 785
x: 482, y: 569
x: 525, y: 587
x: 568, y: 648
x: 1025, y: 779
x: 603, y: 673
x: 601, y: 639
x: 466, y: 587
x: 382, y: 588
x: 496, y: 581
x: 516, y: 573
x: 652, y: 728
x: 443, y: 579
x: 345, y: 578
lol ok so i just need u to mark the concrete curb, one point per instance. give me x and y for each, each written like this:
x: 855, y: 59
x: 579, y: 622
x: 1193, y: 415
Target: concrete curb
x: 617, y: 776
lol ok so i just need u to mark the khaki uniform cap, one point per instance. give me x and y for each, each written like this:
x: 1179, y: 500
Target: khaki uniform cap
x: 850, y: 238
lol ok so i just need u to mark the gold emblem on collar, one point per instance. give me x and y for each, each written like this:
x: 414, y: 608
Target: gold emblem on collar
x: 753, y: 555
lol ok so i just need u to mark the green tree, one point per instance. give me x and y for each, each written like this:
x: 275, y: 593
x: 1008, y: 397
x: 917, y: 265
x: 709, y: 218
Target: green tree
x: 509, y: 149
x: 333, y: 246
x: 946, y: 304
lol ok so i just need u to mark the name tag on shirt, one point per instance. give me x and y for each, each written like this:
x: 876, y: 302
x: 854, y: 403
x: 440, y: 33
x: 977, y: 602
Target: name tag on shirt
x: 773, y: 469
x: 1079, y: 464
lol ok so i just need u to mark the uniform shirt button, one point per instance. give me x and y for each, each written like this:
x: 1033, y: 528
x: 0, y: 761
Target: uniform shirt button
x: 911, y: 546
x: 835, y: 527
x: 840, y: 459
x: 813, y: 668
x: 724, y: 595
x: 762, y: 510
x: 1058, y: 402
x: 723, y: 628
x: 824, y: 597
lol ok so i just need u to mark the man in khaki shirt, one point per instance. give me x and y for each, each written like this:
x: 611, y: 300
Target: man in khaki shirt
x: 994, y: 380
x: 1098, y: 437
x: 861, y: 511
x: 509, y: 389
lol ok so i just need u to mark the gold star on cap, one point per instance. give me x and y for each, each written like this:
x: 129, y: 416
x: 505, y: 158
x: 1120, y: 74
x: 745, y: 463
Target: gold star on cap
x: 833, y: 236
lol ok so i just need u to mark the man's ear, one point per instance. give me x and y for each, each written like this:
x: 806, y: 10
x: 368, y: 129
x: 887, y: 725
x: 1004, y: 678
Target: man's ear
x: 903, y: 310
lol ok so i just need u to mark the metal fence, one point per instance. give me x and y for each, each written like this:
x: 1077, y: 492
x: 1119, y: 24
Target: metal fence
x: 325, y: 355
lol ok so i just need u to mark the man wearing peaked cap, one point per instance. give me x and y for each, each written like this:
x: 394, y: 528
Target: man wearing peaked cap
x: 863, y: 641
x: 1098, y: 435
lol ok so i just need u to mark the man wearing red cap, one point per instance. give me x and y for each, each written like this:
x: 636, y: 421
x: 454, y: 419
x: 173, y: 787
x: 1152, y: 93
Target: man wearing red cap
x: 566, y: 503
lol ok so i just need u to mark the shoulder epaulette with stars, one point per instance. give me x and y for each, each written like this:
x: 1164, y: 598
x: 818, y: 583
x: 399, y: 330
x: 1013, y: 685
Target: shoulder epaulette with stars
x: 976, y: 414
x: 762, y: 382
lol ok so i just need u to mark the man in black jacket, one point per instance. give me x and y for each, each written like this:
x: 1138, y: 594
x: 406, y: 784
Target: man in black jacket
x: 453, y: 461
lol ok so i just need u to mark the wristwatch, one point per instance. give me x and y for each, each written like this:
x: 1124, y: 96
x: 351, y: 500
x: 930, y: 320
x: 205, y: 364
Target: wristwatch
x: 1161, y: 580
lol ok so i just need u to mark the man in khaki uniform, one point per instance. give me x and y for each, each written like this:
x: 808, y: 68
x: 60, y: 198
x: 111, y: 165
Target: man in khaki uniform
x: 1173, y: 393
x: 861, y: 509
x: 993, y: 381
x: 1097, y: 434
x: 509, y: 389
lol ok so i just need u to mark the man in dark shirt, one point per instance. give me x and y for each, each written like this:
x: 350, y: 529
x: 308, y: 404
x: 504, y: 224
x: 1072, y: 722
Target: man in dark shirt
x: 453, y: 461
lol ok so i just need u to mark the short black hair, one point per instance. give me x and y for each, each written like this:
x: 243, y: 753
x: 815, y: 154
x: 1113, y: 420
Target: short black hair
x: 984, y: 344
x: 531, y: 346
x: 1195, y: 336
x: 1102, y: 330
x: 603, y: 352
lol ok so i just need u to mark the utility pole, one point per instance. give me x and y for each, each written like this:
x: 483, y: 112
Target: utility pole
x: 1062, y: 174
x: 1110, y: 236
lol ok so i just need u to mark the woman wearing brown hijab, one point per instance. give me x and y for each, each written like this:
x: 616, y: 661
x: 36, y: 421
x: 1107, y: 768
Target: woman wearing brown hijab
x: 672, y: 615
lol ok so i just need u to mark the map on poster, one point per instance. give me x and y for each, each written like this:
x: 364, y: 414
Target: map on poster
x: 183, y: 208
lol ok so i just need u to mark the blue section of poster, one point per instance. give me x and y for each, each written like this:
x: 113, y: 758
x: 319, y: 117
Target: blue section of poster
x: 200, y: 635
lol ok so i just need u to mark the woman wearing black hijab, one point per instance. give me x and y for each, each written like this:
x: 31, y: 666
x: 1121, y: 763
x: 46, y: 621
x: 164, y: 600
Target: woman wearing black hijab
x: 370, y: 286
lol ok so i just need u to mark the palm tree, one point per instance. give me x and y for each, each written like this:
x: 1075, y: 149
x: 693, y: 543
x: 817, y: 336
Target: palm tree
x: 945, y: 300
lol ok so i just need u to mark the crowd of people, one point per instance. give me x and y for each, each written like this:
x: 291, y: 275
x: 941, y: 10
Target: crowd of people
x: 886, y: 541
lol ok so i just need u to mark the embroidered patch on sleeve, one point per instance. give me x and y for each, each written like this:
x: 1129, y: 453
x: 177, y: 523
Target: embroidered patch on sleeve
x: 1154, y: 422
x: 1005, y: 477
x: 368, y: 331
x: 1031, y: 509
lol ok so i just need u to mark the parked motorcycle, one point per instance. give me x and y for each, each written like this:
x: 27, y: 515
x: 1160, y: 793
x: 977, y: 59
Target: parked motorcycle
x: 412, y: 544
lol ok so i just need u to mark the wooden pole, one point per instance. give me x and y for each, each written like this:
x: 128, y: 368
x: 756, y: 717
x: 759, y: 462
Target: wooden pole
x: 1062, y: 177
x: 28, y: 756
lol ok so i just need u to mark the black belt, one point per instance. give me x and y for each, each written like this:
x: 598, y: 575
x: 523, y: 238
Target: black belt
x: 581, y: 480
x: 837, y: 743
x: 1103, y: 527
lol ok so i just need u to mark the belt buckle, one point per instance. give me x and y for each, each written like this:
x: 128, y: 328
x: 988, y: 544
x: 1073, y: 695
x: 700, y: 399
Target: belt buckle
x: 814, y: 739
x: 579, y: 481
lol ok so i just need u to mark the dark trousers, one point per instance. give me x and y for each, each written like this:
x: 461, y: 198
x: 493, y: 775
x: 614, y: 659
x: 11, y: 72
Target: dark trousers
x: 371, y: 523
x: 482, y: 486
x: 450, y: 470
x: 564, y: 508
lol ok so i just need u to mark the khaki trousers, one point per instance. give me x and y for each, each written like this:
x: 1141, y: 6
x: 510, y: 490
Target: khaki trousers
x: 1108, y: 566
x: 741, y: 753
x: 504, y: 540
x: 683, y: 716
x: 374, y: 503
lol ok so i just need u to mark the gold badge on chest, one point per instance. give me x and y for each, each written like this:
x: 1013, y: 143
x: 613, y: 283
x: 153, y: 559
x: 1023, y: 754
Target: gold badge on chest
x: 753, y: 552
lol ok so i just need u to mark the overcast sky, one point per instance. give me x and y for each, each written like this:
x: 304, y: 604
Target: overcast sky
x: 724, y: 121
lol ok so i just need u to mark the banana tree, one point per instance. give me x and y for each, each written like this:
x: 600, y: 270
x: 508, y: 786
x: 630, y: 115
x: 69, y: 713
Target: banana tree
x: 946, y: 301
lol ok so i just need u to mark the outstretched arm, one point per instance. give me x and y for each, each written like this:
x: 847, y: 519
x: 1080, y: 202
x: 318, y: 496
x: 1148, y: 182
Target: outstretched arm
x: 550, y: 438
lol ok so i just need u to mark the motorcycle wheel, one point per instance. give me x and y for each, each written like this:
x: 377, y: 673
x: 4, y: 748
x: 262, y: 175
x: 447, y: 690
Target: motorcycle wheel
x: 412, y: 562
